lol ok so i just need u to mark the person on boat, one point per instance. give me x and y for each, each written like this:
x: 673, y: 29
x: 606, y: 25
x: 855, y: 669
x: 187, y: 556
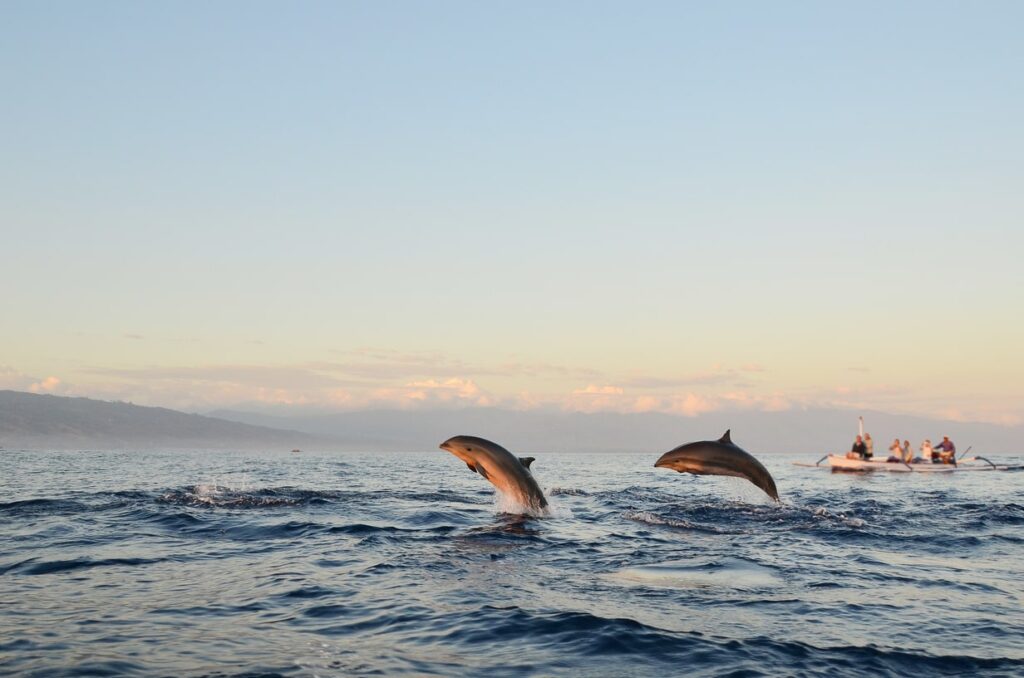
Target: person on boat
x: 895, y: 452
x: 870, y: 445
x: 907, y: 454
x: 859, y: 449
x: 945, y: 452
x: 926, y: 451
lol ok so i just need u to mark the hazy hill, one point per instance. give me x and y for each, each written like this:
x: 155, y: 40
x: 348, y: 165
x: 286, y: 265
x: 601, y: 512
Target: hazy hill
x: 811, y: 431
x: 34, y: 421
x: 30, y: 420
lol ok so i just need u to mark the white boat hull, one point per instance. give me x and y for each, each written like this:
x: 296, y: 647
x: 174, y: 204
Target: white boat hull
x: 841, y: 463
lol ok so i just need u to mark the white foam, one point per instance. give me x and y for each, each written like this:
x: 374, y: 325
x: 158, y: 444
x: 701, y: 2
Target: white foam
x: 652, y: 519
x: 506, y: 504
x: 221, y: 488
x: 556, y: 509
x: 822, y: 512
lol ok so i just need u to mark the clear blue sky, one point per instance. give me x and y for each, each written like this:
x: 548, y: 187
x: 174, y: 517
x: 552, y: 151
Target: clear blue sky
x: 582, y: 204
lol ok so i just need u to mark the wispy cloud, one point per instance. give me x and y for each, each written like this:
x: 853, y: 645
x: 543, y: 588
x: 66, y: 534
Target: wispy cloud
x: 718, y: 374
x: 377, y: 378
x: 256, y: 375
x: 593, y: 389
x: 374, y: 377
x: 698, y: 379
x: 386, y: 364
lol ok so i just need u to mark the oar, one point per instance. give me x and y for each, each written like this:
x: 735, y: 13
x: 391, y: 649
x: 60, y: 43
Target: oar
x: 821, y: 460
x: 966, y: 451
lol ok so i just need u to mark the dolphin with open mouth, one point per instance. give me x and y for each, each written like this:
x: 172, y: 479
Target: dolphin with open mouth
x: 719, y: 458
x: 508, y: 473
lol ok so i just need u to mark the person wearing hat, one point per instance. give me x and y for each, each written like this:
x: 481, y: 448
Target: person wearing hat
x: 945, y: 452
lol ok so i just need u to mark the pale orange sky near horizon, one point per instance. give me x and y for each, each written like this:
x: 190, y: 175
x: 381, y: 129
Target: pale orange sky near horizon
x: 686, y: 209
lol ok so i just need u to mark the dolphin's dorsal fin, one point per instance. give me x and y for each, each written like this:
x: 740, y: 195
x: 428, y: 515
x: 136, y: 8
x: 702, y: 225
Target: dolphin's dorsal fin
x: 526, y: 461
x: 725, y: 439
x: 471, y: 467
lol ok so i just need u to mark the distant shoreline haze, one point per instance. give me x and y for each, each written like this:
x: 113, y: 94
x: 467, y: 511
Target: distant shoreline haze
x: 29, y: 420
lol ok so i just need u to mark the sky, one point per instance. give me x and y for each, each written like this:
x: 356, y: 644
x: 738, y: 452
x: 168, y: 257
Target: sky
x: 679, y: 207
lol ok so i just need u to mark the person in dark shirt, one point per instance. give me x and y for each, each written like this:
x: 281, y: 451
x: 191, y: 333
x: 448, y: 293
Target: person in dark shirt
x: 859, y: 450
x: 944, y: 452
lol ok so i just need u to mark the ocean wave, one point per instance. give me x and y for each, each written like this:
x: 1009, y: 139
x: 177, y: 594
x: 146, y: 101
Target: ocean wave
x: 282, y: 565
x: 568, y: 492
x: 590, y: 639
x: 37, y: 567
x: 227, y: 497
x: 71, y: 504
x: 654, y: 519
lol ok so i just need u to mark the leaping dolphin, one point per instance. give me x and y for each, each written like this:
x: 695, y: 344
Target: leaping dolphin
x: 719, y: 458
x: 510, y: 474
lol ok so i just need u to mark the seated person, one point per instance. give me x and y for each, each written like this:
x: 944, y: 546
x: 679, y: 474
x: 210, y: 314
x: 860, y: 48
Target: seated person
x: 895, y: 452
x: 945, y: 452
x: 905, y: 453
x: 859, y: 450
x: 870, y: 445
x: 926, y: 450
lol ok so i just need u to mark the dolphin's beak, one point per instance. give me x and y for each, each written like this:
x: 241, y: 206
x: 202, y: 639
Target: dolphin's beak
x: 446, y: 446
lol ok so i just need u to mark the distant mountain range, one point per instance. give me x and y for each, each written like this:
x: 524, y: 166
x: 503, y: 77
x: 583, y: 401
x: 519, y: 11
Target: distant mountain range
x: 45, y: 421
x: 809, y: 431
x: 28, y: 420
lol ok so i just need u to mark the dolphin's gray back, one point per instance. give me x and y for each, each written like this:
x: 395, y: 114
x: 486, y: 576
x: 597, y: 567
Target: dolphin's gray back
x: 720, y: 459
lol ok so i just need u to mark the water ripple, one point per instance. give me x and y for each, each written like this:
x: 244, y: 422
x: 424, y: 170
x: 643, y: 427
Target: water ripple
x: 213, y: 564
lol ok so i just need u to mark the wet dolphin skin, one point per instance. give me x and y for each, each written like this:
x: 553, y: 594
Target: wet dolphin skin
x: 719, y: 458
x: 508, y: 473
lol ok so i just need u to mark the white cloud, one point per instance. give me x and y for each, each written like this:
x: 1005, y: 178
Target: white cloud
x: 14, y: 380
x: 48, y: 385
x: 691, y: 405
x: 447, y: 391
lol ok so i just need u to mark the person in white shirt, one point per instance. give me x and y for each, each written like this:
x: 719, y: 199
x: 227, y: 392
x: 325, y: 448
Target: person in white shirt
x: 926, y: 450
x: 895, y: 451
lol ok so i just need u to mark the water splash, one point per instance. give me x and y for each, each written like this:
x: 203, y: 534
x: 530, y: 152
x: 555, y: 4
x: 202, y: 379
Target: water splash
x: 504, y: 503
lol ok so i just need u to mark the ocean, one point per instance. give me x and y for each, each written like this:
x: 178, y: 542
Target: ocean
x: 203, y: 563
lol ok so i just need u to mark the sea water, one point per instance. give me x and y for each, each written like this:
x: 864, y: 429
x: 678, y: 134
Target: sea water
x: 210, y: 563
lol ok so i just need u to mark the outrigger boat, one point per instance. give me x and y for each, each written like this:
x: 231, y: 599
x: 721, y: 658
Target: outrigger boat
x: 839, y: 462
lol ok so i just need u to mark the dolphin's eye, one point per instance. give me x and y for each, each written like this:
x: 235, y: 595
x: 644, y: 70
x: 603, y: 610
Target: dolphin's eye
x: 469, y: 449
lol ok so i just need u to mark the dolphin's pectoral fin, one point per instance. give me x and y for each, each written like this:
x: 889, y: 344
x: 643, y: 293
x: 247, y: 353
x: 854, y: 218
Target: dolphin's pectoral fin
x: 725, y: 439
x: 481, y: 471
x: 471, y: 467
x: 526, y: 461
